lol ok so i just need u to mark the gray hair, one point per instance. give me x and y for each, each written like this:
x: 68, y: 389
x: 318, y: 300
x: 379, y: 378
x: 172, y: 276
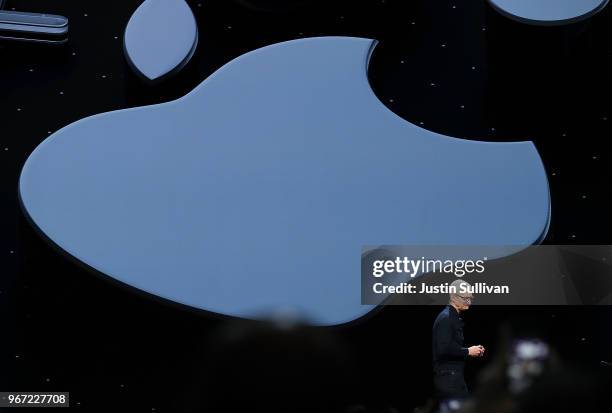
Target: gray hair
x: 457, y: 284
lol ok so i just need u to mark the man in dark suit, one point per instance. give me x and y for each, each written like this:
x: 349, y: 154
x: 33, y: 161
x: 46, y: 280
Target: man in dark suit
x: 449, y: 354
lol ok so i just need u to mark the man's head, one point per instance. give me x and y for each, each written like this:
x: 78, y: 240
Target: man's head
x: 461, y: 299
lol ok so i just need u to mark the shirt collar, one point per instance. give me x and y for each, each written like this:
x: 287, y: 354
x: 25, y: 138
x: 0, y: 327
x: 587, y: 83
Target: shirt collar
x: 453, y: 310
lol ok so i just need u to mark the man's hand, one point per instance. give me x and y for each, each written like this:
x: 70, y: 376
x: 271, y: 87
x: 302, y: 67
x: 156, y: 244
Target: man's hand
x: 476, y: 351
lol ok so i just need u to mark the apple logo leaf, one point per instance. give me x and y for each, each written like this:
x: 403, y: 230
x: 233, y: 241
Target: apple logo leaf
x: 255, y: 192
x: 160, y: 38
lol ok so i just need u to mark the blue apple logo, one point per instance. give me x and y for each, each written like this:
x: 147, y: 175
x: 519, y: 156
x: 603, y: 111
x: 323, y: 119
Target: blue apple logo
x: 255, y: 192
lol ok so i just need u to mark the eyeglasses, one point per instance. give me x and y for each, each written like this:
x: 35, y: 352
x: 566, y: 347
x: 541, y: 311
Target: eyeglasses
x: 466, y: 299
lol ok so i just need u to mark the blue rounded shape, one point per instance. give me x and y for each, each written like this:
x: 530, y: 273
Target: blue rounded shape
x: 160, y: 38
x: 548, y: 12
x: 255, y: 192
